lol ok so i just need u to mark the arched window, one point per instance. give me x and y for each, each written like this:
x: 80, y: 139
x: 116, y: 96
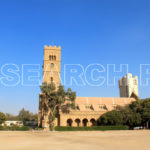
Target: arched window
x: 93, y: 122
x: 51, y: 79
x: 52, y: 65
x: 69, y: 122
x: 50, y: 57
x: 85, y: 122
x: 78, y: 122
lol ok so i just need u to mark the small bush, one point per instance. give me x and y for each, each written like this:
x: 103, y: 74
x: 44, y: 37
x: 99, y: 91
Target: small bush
x: 94, y: 128
x: 1, y: 128
x: 14, y: 128
x: 2, y: 118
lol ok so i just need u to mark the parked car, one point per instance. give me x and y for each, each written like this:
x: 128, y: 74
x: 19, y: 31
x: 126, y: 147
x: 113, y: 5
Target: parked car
x: 138, y: 128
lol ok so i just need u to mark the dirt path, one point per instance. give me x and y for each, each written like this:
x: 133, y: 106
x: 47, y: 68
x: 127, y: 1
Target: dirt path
x: 108, y: 140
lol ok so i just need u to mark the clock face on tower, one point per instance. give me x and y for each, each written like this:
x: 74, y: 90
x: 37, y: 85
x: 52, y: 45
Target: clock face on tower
x: 52, y: 65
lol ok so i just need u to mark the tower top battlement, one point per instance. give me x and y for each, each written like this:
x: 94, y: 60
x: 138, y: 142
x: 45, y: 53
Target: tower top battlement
x: 52, y: 47
x: 128, y: 86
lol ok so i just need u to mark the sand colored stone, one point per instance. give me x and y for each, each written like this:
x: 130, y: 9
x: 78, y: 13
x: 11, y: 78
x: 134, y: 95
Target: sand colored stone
x: 88, y: 109
x: 108, y: 140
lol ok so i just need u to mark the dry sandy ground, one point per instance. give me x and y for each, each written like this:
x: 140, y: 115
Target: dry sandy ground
x: 96, y: 140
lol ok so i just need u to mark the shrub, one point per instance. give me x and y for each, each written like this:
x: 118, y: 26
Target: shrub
x: 93, y: 128
x: 2, y: 118
x: 1, y: 128
x: 111, y: 118
x: 15, y: 128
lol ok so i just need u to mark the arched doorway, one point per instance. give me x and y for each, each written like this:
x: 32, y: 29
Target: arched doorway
x: 85, y: 122
x: 78, y: 122
x: 93, y: 122
x: 69, y: 122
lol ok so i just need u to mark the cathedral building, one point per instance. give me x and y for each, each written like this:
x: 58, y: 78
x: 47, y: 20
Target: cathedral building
x: 89, y: 109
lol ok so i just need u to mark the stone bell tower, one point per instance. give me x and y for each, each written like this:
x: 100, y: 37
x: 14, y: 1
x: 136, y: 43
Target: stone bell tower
x: 52, y: 65
x: 51, y: 74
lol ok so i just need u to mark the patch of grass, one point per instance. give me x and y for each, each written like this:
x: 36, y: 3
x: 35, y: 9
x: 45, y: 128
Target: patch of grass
x: 93, y: 128
x: 14, y: 128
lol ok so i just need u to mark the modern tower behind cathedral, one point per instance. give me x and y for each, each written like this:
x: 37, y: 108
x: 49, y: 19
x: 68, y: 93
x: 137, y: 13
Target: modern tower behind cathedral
x: 129, y: 86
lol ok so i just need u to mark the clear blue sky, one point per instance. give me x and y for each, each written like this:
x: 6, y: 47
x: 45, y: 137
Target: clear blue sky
x: 89, y: 31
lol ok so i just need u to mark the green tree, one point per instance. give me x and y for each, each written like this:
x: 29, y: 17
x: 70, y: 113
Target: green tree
x: 103, y: 120
x: 134, y: 120
x: 145, y: 113
x: 142, y: 107
x: 121, y: 116
x: 24, y: 115
x: 135, y: 114
x: 34, y: 117
x: 130, y: 116
x: 2, y: 118
x: 136, y: 106
x: 54, y: 99
x: 11, y: 117
x: 111, y: 118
